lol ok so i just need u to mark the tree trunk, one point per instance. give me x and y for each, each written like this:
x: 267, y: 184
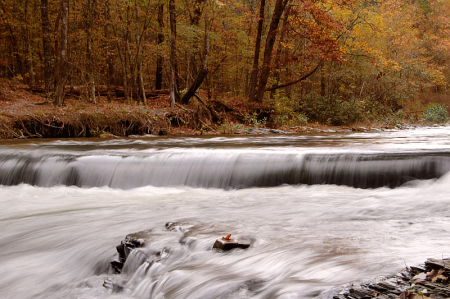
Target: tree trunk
x: 90, y: 68
x: 130, y: 65
x: 173, y: 53
x: 322, y: 81
x: 32, y: 81
x: 160, y: 40
x: 138, y: 55
x: 271, y: 37
x: 193, y: 67
x: 280, y: 51
x: 62, y: 76
x: 56, y: 57
x: 204, y: 70
x: 122, y: 63
x: 108, y: 47
x: 254, y: 76
x: 14, y: 44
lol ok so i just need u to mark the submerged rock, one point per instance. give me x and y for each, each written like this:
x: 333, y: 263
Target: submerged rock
x: 111, y: 285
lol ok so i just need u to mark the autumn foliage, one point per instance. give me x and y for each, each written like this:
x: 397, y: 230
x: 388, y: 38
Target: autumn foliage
x: 331, y: 61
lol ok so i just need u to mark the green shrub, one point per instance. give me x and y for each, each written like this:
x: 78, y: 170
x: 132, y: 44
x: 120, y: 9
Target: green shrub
x: 435, y: 113
x: 286, y: 112
x: 332, y: 110
x: 253, y: 120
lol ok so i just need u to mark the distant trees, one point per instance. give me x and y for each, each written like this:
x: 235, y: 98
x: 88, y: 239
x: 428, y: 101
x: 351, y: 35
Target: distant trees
x: 230, y: 48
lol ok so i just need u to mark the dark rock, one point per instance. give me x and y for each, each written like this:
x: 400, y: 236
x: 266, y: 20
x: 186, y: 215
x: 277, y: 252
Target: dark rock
x: 395, y: 286
x: 131, y: 242
x: 172, y: 225
x: 437, y: 264
x: 417, y: 269
x: 117, y: 266
x: 139, y: 239
x: 229, y: 244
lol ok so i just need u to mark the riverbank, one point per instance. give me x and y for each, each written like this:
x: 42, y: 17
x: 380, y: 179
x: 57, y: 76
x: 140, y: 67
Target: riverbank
x: 426, y: 281
x: 27, y: 114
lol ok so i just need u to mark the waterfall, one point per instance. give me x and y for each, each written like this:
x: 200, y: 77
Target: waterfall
x: 223, y: 169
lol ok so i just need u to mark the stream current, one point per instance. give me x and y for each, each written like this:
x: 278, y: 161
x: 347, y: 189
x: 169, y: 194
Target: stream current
x: 320, y: 210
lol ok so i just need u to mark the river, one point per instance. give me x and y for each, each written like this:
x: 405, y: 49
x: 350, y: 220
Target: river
x: 321, y: 211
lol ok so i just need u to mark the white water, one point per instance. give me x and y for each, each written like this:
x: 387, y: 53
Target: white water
x: 57, y: 242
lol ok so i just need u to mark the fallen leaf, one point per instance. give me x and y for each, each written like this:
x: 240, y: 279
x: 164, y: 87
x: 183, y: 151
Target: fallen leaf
x: 227, y: 237
x: 435, y: 275
x: 416, y: 296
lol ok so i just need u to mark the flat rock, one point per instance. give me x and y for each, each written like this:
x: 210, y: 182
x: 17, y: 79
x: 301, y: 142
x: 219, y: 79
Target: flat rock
x: 438, y: 264
x: 225, y: 245
x: 411, y: 280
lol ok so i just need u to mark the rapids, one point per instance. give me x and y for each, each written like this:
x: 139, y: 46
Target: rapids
x: 65, y: 205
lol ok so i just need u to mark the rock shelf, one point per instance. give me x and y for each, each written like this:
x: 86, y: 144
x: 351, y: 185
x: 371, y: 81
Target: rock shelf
x: 421, y: 282
x: 427, y: 281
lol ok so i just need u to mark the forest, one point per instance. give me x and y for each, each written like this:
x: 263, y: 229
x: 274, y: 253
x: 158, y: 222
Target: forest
x: 333, y: 62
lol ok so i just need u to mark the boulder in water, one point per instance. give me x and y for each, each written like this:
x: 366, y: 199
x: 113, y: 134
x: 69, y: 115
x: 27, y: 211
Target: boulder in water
x: 132, y: 241
x: 227, y: 243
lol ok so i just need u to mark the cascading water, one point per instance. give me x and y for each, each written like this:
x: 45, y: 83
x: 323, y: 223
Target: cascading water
x: 225, y: 169
x: 320, y: 211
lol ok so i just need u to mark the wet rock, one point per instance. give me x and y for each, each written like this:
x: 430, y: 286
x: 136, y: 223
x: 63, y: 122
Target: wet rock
x: 228, y: 244
x: 437, y: 264
x: 171, y: 225
x: 405, y: 284
x: 420, y: 277
x: 139, y: 239
x: 183, y: 227
x: 417, y: 269
x: 111, y: 285
x: 131, y: 242
x: 117, y: 266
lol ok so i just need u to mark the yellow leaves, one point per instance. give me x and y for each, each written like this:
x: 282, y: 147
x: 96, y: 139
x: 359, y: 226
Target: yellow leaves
x: 437, y: 77
x: 287, y: 45
x: 219, y: 3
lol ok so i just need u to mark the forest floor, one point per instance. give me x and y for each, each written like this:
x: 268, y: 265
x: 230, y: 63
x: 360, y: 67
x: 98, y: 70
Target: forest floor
x: 26, y: 114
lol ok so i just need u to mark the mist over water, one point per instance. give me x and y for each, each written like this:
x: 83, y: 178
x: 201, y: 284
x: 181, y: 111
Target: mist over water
x: 57, y: 241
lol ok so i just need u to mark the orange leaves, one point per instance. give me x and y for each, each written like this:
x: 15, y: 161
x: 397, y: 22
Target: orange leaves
x: 227, y: 237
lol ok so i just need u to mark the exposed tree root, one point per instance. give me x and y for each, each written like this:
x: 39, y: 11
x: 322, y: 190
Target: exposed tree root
x: 82, y: 125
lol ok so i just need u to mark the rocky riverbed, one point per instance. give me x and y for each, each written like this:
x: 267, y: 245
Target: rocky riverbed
x: 427, y: 281
x: 430, y: 280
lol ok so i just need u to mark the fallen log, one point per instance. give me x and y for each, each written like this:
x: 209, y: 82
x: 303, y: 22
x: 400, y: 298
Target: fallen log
x: 102, y: 90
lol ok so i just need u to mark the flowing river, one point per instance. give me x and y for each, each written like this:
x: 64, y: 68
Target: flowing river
x: 321, y: 211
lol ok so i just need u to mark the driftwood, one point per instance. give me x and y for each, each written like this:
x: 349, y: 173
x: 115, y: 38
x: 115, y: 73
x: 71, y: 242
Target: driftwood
x: 102, y: 90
